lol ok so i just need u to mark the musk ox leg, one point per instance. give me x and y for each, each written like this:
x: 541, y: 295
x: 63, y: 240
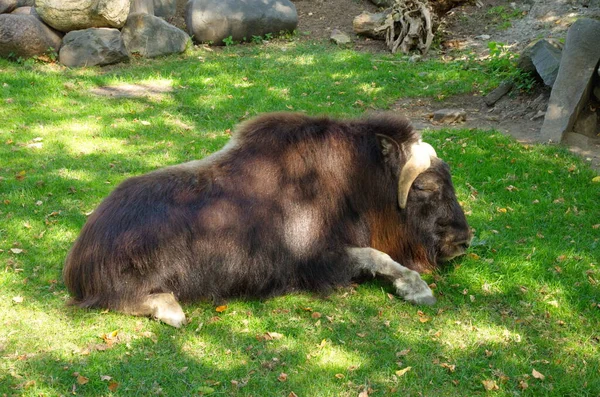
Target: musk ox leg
x: 163, y: 307
x: 408, y: 283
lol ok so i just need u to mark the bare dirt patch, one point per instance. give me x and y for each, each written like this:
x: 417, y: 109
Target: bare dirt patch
x: 154, y: 90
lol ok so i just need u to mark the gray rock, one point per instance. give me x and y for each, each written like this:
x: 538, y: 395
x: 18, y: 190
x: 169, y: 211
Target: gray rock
x: 366, y: 23
x: 546, y: 59
x: 26, y: 36
x: 573, y: 84
x: 586, y: 123
x: 151, y: 36
x: 383, y: 3
x: 525, y: 61
x: 82, y: 14
x: 142, y: 6
x: 339, y: 37
x: 7, y: 6
x: 26, y: 10
x: 214, y: 20
x: 91, y: 47
x: 494, y: 96
x: 449, y: 116
x: 165, y: 8
x: 578, y: 140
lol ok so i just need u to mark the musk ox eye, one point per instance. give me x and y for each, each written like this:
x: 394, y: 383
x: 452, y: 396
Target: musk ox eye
x: 425, y: 187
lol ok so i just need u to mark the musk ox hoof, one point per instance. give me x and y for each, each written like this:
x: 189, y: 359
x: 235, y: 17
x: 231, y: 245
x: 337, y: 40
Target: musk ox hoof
x: 413, y: 289
x: 424, y: 299
x: 172, y: 317
x: 165, y: 308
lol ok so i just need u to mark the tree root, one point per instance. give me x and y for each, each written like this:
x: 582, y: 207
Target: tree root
x: 408, y: 27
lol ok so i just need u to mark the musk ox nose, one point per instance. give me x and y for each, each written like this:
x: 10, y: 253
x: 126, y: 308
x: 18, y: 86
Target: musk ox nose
x: 465, y: 241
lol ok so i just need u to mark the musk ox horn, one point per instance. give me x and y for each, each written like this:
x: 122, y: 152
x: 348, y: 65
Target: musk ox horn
x: 419, y: 161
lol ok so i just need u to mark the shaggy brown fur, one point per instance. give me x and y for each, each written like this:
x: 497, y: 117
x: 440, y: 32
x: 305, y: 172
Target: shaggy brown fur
x: 272, y: 212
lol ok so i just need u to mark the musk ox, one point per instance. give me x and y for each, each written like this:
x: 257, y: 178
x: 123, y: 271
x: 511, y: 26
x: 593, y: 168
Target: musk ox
x: 290, y: 203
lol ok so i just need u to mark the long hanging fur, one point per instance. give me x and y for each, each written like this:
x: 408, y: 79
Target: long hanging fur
x: 270, y: 213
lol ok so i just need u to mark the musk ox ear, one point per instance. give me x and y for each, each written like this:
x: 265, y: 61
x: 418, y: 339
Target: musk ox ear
x: 390, y: 149
x: 420, y: 154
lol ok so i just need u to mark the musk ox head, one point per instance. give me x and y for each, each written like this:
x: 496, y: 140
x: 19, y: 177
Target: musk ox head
x: 426, y: 192
x: 427, y: 199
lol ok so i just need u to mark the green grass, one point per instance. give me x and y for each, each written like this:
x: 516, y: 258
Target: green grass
x: 525, y: 298
x: 502, y: 16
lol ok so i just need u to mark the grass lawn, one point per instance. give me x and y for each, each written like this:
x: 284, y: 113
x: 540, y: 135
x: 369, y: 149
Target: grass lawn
x: 518, y: 315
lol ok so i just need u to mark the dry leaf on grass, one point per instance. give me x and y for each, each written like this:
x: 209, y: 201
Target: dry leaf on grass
x: 82, y: 380
x: 489, y: 384
x: 403, y: 353
x: 113, y: 386
x: 538, y: 375
x: 221, y: 309
x: 402, y: 371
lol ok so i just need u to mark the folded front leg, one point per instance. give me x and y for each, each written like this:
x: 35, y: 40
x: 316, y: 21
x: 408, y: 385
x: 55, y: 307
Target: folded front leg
x: 409, y: 284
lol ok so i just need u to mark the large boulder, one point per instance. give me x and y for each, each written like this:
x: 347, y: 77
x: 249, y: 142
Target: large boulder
x: 151, y: 36
x: 165, y: 8
x: 215, y: 20
x: 26, y: 10
x: 542, y: 57
x: 572, y: 88
x: 82, y: 14
x: 142, y: 6
x: 26, y: 36
x: 366, y: 24
x: 91, y: 47
x: 7, y: 6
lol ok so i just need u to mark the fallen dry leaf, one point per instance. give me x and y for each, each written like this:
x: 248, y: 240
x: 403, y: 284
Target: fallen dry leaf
x: 537, y: 375
x: 523, y: 385
x: 596, y: 179
x: 489, y: 385
x: 403, y: 352
x: 113, y: 386
x: 105, y: 378
x: 339, y: 376
x: 82, y: 380
x: 270, y: 336
x: 292, y: 394
x: 16, y: 250
x: 363, y: 393
x: 18, y: 299
x: 221, y: 309
x: 449, y: 367
x: 282, y: 377
x: 401, y: 372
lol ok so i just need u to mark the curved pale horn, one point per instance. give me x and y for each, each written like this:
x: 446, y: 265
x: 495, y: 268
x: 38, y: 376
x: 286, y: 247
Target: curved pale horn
x: 419, y: 161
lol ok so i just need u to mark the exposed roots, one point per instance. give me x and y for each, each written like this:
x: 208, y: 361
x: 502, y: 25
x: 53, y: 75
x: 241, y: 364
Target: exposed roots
x: 408, y: 27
